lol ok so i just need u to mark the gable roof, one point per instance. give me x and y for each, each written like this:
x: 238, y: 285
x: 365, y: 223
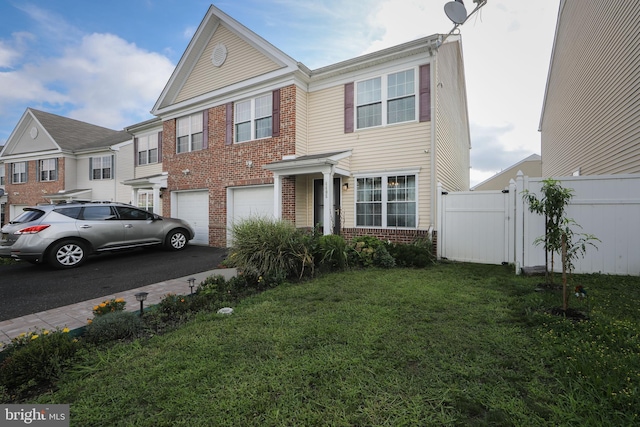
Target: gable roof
x: 74, y: 135
x: 214, y: 19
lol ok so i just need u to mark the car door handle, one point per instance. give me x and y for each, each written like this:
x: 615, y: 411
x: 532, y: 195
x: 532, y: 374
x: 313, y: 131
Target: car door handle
x: 85, y: 226
x: 128, y: 226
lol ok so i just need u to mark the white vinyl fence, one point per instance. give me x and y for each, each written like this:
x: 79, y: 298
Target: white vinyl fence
x: 496, y: 227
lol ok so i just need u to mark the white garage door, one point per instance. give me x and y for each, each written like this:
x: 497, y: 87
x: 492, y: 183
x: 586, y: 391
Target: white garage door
x: 248, y: 202
x: 193, y: 207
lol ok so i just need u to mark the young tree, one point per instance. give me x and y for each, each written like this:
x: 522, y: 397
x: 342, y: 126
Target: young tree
x: 559, y: 236
x: 552, y: 205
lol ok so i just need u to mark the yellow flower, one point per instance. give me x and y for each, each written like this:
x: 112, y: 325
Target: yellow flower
x: 96, y: 308
x: 34, y: 336
x: 120, y: 300
x: 22, y: 335
x: 103, y: 304
x: 45, y: 332
x: 89, y: 321
x: 65, y: 331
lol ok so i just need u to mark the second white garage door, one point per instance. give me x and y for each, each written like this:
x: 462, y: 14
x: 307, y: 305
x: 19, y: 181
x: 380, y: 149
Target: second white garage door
x: 193, y: 207
x: 248, y: 202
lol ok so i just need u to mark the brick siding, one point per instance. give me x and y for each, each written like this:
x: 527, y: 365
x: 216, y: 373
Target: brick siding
x: 220, y: 166
x: 31, y: 192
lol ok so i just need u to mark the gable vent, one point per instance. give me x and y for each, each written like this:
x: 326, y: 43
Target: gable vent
x: 219, y: 55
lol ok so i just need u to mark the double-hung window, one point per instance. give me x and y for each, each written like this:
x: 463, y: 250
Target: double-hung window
x: 189, y: 133
x: 101, y: 167
x: 253, y: 118
x: 386, y: 201
x: 19, y: 172
x: 2, y: 174
x: 148, y: 149
x: 48, y: 169
x: 386, y: 100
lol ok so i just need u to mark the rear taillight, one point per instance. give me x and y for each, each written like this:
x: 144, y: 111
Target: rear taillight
x: 33, y: 229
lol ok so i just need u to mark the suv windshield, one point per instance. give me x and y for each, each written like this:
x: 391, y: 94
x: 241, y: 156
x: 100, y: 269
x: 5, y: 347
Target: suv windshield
x: 27, y: 216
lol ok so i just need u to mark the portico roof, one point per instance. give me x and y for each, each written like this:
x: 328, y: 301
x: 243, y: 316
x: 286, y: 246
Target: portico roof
x: 311, y: 163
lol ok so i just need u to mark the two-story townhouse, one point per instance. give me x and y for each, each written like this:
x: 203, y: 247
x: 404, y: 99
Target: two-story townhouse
x: 590, y: 122
x: 50, y: 158
x: 356, y: 147
x: 3, y: 194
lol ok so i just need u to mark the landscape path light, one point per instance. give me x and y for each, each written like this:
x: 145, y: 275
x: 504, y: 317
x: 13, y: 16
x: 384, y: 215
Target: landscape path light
x: 192, y: 283
x: 141, y: 296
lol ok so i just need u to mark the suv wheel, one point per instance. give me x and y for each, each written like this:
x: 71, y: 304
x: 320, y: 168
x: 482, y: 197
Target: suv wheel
x: 67, y: 254
x: 176, y: 240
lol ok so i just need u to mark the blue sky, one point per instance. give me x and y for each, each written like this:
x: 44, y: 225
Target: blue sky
x: 106, y: 62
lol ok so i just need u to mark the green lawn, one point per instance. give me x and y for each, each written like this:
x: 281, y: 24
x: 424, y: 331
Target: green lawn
x: 451, y: 345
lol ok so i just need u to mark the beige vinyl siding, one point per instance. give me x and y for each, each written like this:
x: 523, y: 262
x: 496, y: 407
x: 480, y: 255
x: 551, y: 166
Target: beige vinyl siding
x: 375, y: 150
x: 243, y: 62
x: 302, y: 119
x: 501, y: 180
x: 124, y: 171
x: 304, y: 201
x: 452, y: 131
x: 71, y: 173
x: 591, y: 116
x: 148, y: 170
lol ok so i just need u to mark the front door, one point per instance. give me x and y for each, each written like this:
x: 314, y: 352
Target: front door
x: 318, y: 204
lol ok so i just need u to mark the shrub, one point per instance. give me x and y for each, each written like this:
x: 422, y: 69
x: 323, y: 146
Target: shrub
x: 410, y: 255
x: 109, y: 306
x: 117, y: 325
x: 271, y: 249
x: 35, y: 358
x: 370, y: 251
x: 334, y: 251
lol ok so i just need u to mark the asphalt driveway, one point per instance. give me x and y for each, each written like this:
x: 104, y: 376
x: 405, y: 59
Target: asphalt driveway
x: 27, y: 288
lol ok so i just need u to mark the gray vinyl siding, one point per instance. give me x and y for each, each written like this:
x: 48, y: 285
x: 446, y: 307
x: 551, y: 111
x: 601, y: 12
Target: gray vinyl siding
x: 591, y: 117
x: 452, y: 128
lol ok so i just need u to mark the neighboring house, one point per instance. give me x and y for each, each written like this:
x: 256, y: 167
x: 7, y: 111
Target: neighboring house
x: 3, y: 193
x: 356, y: 147
x: 49, y: 159
x: 149, y: 180
x: 590, y: 122
x: 531, y: 167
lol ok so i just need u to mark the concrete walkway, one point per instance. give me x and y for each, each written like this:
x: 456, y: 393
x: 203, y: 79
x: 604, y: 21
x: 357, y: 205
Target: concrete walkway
x: 76, y: 315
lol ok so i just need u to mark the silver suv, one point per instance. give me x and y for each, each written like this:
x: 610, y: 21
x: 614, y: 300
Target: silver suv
x: 63, y: 235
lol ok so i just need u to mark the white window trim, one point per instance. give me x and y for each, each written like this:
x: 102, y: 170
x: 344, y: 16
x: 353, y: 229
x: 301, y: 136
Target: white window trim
x: 384, y: 93
x: 13, y: 173
x: 111, y: 170
x: 55, y: 170
x: 385, y: 175
x: 190, y: 132
x: 253, y: 119
x: 154, y: 136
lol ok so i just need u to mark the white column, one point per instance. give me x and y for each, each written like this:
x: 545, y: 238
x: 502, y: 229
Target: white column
x: 327, y: 218
x: 277, y: 196
x: 519, y: 241
x: 440, y: 220
x: 156, y: 199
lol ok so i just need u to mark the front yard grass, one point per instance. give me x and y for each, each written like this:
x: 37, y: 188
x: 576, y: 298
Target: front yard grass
x: 450, y: 345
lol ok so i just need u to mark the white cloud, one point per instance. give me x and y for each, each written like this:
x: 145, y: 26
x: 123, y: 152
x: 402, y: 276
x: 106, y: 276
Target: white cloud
x: 102, y: 80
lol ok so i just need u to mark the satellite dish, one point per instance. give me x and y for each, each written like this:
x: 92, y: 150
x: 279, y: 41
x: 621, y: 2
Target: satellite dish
x: 456, y: 11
